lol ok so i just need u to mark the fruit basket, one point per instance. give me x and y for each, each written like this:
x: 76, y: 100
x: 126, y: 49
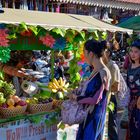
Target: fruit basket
x: 12, y: 112
x: 57, y: 103
x: 36, y: 108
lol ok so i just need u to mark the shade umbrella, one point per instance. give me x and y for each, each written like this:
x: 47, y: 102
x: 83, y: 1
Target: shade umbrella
x: 131, y: 23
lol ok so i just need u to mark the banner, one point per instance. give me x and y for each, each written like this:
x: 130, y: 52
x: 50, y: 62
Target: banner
x: 25, y: 130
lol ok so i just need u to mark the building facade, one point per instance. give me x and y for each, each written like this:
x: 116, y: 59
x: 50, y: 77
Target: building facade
x: 101, y: 9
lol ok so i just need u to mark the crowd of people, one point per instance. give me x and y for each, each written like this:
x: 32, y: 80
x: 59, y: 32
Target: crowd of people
x: 103, y: 84
x: 106, y: 81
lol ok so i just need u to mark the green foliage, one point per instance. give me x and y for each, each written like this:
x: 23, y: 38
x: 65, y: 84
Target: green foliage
x: 4, y: 54
x: 7, y: 89
x: 79, y: 37
x: 41, y: 31
x: 2, y: 99
x: 74, y: 69
x: 22, y: 26
x: 61, y: 125
x: 35, y: 119
x: 33, y: 29
x: 51, y: 121
x: 1, y: 75
x: 110, y: 107
x: 59, y: 31
x: 70, y: 34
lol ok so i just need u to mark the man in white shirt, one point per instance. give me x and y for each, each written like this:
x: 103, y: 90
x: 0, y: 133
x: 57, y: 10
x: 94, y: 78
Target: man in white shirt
x: 114, y: 88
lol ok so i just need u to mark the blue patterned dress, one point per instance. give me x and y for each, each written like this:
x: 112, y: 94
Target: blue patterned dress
x: 133, y: 80
x: 95, y: 95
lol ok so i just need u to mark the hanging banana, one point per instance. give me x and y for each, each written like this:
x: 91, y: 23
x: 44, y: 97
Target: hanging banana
x: 58, y: 85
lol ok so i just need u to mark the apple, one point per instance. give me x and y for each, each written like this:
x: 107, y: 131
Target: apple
x: 4, y: 105
x: 16, y: 98
x: 22, y: 103
x: 10, y: 102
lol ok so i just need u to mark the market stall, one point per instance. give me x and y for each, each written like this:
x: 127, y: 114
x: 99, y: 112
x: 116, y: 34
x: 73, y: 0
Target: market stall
x: 35, y: 112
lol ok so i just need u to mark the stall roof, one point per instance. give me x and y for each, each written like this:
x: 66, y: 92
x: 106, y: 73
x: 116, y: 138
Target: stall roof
x: 51, y: 20
x: 98, y: 24
x: 131, y: 23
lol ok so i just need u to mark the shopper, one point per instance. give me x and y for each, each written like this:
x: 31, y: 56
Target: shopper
x: 98, y: 85
x: 133, y: 80
x: 114, y: 88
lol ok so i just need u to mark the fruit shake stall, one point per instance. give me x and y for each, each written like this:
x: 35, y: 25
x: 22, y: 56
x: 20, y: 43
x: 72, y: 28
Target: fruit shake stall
x: 30, y: 109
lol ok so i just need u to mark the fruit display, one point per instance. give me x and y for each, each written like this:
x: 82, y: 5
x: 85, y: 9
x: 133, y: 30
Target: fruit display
x: 58, y: 86
x: 13, y: 102
x: 36, y: 105
x: 2, y: 99
x: 39, y: 100
x: 7, y: 89
x: 13, y: 106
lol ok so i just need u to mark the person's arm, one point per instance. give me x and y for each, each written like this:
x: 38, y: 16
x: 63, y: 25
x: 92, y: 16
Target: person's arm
x: 115, y: 78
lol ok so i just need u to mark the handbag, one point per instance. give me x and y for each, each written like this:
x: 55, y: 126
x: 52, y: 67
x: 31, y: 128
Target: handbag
x: 123, y: 95
x: 73, y: 112
x: 124, y: 119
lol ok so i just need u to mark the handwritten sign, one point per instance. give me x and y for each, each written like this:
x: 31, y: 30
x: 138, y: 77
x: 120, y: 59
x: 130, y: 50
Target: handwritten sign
x: 25, y: 130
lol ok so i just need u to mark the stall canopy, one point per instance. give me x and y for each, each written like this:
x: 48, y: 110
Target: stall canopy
x: 52, y: 20
x: 100, y: 25
x: 131, y: 23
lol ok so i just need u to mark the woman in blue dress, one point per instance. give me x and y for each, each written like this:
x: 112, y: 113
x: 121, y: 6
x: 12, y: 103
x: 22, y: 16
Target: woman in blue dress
x: 133, y: 80
x: 95, y: 95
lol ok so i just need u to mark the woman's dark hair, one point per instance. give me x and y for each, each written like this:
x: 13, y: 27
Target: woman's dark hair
x: 96, y: 47
x: 136, y: 44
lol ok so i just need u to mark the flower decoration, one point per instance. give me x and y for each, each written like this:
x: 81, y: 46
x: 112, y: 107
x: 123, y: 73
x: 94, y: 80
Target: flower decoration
x: 27, y: 33
x: 60, y: 44
x: 48, y: 40
x: 4, y: 54
x: 82, y: 57
x: 3, y: 38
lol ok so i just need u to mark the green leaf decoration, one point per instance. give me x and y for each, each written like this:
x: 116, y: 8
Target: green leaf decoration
x: 1, y: 75
x: 41, y: 31
x: 110, y: 107
x: 79, y: 37
x: 61, y: 125
x: 95, y: 35
x: 104, y: 36
x: 129, y: 41
x: 12, y: 31
x: 33, y: 29
x: 22, y: 26
x: 35, y: 119
x: 59, y: 31
x: 69, y: 47
x: 43, y: 94
x: 48, y: 123
x: 7, y: 88
x: 4, y: 54
x: 70, y: 34
x: 12, y: 36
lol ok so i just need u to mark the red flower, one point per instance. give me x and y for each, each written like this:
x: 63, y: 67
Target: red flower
x: 82, y: 57
x: 48, y: 40
x: 3, y: 38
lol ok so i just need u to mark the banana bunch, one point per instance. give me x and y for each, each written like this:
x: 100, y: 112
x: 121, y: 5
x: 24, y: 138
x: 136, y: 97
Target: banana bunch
x: 58, y: 85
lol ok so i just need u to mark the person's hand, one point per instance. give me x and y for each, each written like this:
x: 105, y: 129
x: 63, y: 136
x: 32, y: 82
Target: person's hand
x: 138, y: 103
x: 72, y: 96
